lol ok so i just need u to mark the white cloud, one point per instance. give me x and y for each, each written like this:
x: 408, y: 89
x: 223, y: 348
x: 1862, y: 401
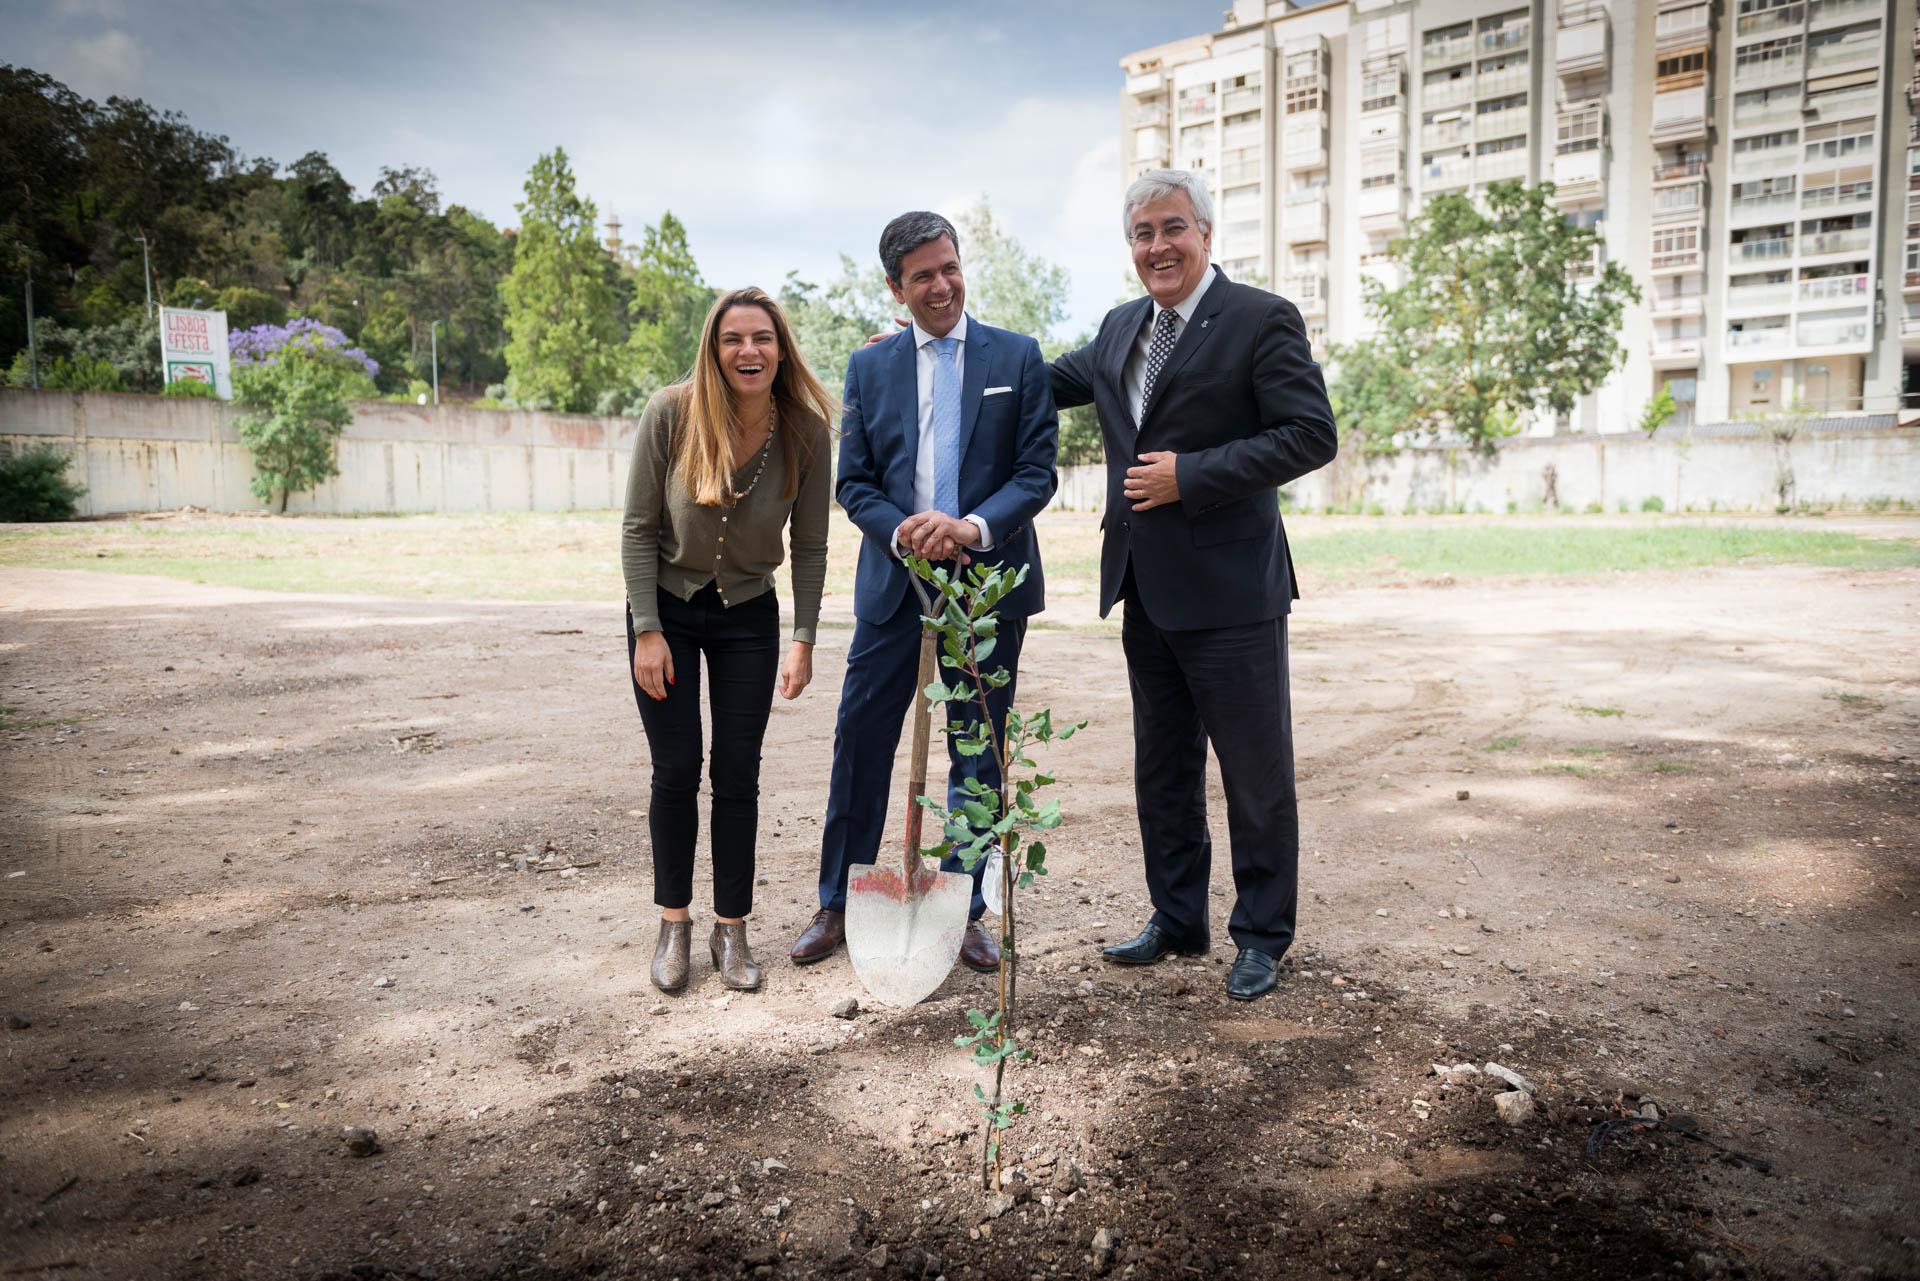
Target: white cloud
x: 105, y: 64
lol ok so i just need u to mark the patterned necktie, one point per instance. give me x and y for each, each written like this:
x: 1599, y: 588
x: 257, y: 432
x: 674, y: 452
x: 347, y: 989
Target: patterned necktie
x: 946, y: 426
x: 1157, y: 352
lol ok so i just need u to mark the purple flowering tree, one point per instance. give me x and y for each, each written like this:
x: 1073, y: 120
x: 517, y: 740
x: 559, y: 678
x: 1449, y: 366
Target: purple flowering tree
x: 295, y: 380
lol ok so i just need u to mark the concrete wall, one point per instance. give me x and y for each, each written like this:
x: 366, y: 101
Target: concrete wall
x: 1845, y: 467
x: 155, y: 453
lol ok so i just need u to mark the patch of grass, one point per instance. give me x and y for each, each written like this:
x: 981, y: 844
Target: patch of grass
x: 1587, y: 751
x: 1666, y: 767
x: 1859, y: 702
x: 1324, y: 549
x: 1587, y: 709
x: 1503, y: 744
x: 1575, y: 768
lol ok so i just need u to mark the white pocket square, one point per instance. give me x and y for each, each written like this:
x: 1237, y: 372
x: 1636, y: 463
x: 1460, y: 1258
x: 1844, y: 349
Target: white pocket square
x: 995, y: 391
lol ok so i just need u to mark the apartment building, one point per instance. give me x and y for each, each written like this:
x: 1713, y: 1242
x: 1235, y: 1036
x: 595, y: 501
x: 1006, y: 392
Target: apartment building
x: 1742, y: 159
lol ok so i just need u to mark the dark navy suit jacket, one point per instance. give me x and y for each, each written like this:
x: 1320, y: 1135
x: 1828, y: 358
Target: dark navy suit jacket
x: 1007, y: 446
x: 1241, y: 402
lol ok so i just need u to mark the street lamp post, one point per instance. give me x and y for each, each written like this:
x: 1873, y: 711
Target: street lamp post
x: 33, y: 349
x: 146, y: 270
x: 434, y: 331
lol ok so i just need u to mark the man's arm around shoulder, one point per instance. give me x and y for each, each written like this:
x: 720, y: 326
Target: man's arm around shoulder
x: 1026, y: 493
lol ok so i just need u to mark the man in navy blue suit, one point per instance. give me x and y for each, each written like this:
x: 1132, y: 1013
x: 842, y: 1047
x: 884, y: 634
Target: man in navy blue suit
x: 947, y: 448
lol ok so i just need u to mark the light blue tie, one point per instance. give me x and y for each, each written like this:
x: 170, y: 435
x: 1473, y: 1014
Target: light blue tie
x: 946, y: 426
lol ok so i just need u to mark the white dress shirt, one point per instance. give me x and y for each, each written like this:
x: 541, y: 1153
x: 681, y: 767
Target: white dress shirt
x: 924, y: 360
x: 1136, y: 371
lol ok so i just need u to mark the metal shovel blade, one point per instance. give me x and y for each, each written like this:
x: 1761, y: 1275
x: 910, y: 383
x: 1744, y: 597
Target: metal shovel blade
x: 904, y: 924
x: 904, y: 937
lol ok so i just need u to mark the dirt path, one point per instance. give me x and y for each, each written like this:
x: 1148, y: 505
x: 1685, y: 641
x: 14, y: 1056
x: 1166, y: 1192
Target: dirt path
x: 259, y: 883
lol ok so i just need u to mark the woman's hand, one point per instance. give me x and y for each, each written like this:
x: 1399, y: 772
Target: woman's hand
x: 796, y: 673
x: 652, y: 664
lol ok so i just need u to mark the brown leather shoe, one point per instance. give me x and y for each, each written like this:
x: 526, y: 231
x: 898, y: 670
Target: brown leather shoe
x: 979, y: 950
x: 732, y: 958
x: 827, y: 931
x: 670, y: 961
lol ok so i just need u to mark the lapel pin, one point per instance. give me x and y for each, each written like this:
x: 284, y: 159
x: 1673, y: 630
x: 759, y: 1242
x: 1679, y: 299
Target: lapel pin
x: 1205, y: 323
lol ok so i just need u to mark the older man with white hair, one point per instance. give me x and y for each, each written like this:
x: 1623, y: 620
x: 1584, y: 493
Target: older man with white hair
x: 1209, y: 400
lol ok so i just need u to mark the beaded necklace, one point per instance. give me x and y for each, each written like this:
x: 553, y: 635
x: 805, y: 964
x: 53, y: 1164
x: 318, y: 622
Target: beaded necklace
x: 766, y: 448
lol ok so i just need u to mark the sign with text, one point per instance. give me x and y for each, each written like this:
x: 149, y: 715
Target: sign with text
x: 193, y: 348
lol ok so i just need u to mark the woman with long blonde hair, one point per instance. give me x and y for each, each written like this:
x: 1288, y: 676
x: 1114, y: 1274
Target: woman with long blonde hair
x: 729, y: 468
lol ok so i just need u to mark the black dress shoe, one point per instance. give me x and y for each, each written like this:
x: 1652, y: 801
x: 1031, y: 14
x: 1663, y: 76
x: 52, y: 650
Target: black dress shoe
x: 1253, y: 974
x: 1151, y: 944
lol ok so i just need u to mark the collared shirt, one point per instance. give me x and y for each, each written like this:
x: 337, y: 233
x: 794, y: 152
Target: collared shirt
x: 1136, y: 371
x: 924, y: 461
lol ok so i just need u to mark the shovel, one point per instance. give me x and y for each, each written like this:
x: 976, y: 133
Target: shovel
x: 904, y: 925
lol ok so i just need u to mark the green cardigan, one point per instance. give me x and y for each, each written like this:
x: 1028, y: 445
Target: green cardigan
x: 669, y: 541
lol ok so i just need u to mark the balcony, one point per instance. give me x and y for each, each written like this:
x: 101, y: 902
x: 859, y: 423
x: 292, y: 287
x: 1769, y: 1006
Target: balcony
x: 1843, y: 330
x: 1305, y: 149
x: 1750, y: 341
x: 1239, y: 174
x: 1777, y: 249
x: 1824, y: 12
x: 1500, y: 166
x: 1765, y: 161
x: 1768, y: 21
x: 1194, y: 108
x: 1674, y: 261
x: 1149, y: 144
x: 1669, y: 353
x: 1246, y: 98
x: 1785, y: 114
x: 1579, y: 175
x: 1684, y: 202
x: 1843, y: 104
x: 1681, y: 28
x: 1446, y: 133
x: 1147, y: 83
x: 1748, y: 211
x: 1672, y: 305
x: 1766, y: 71
x: 1580, y: 46
x: 1837, y: 290
x: 1305, y: 224
x: 1383, y: 208
x: 1147, y: 113
x: 1435, y: 95
x: 1760, y: 300
x: 1454, y: 171
x: 1440, y: 53
x: 1501, y: 124
x: 1678, y: 170
x: 1856, y: 240
x: 1680, y: 114
x: 1862, y: 48
x: 1502, y: 83
x: 1383, y: 269
x: 1308, y: 292
x: 1505, y: 39
x: 1911, y: 283
x: 1840, y: 196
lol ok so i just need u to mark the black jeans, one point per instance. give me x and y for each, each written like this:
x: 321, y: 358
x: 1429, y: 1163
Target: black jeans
x: 741, y: 646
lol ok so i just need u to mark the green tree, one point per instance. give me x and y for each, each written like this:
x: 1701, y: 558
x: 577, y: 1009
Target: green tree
x: 669, y: 305
x: 1374, y: 397
x: 1501, y: 315
x: 563, y: 335
x: 298, y: 407
x: 1658, y: 410
x: 832, y: 321
x: 34, y: 485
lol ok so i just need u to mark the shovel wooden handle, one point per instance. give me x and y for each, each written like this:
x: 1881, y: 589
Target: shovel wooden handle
x: 922, y: 731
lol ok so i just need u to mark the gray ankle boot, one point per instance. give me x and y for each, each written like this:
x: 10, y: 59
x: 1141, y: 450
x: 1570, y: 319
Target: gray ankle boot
x: 732, y: 959
x: 670, y: 955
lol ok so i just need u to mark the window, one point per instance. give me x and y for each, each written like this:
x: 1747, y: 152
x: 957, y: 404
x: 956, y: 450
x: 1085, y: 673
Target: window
x: 1838, y: 141
x: 1498, y: 145
x: 1305, y: 99
x: 1765, y: 57
x: 1765, y: 142
x: 1510, y: 102
x: 1694, y: 60
x: 1579, y: 131
x: 1380, y: 89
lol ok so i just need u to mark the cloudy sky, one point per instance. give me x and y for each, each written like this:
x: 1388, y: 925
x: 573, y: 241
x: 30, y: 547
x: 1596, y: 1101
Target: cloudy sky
x: 782, y: 133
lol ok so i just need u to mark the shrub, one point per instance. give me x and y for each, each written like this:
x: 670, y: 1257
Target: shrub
x: 63, y: 373
x: 297, y: 381
x: 1594, y: 508
x: 1623, y: 505
x: 187, y: 389
x: 34, y: 486
x: 1652, y: 503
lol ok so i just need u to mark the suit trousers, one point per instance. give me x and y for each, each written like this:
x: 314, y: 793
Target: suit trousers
x: 1227, y: 686
x: 883, y: 671
x: 741, y: 646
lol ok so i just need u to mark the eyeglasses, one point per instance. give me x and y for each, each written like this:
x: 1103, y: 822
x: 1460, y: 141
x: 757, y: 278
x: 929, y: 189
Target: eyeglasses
x: 1145, y: 235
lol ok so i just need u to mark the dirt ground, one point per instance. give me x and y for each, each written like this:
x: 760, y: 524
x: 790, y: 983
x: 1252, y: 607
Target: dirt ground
x: 1644, y: 841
